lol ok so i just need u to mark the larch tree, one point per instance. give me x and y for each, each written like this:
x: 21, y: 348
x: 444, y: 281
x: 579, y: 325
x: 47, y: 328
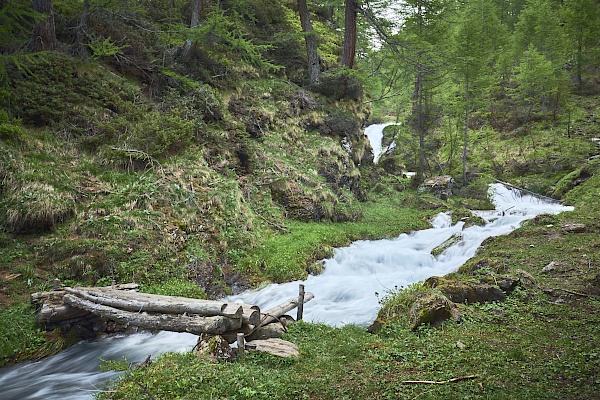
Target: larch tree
x: 311, y: 42
x: 44, y: 34
x: 349, y: 45
x: 582, y: 30
x: 422, y: 32
x: 473, y: 46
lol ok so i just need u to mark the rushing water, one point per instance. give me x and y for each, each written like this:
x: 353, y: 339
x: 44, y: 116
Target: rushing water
x: 347, y: 292
x: 375, y: 134
x: 349, y: 289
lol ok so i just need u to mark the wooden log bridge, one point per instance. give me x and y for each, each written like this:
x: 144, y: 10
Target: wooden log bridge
x: 124, y: 305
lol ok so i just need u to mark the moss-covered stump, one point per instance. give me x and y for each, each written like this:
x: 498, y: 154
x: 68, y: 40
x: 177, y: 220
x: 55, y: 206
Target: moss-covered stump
x: 214, y: 347
x: 464, y: 292
x: 430, y: 308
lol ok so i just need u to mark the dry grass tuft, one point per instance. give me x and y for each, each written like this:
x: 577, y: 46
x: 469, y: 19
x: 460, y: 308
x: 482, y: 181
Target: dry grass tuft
x: 36, y: 206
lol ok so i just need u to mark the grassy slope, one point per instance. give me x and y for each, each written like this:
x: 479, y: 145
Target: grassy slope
x: 173, y: 214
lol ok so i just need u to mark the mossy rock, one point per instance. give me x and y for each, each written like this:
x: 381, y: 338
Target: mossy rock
x: 474, y: 220
x: 430, y: 308
x: 505, y: 283
x: 451, y: 241
x: 466, y: 292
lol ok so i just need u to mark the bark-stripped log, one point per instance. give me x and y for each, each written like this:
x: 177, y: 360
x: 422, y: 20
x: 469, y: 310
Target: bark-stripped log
x: 140, y: 302
x: 274, y: 313
x: 57, y: 312
x: 177, y: 323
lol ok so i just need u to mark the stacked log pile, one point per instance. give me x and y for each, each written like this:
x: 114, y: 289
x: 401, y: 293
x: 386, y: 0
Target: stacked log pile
x: 126, y: 307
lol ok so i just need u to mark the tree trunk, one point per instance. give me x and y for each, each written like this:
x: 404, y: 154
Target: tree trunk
x: 85, y: 12
x: 466, y: 134
x: 141, y: 302
x: 197, y: 7
x: 273, y: 314
x: 311, y: 42
x: 349, y: 49
x: 171, y: 322
x: 44, y: 34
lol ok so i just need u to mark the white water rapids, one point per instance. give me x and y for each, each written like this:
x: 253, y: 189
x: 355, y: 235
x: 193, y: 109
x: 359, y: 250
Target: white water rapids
x: 345, y: 293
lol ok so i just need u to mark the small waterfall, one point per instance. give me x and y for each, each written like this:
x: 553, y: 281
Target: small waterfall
x: 375, y: 134
x: 347, y: 292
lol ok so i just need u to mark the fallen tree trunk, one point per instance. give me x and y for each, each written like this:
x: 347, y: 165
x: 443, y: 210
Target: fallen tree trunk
x: 171, y: 322
x: 58, y: 312
x: 274, y: 313
x: 250, y: 314
x: 140, y: 302
x: 277, y: 347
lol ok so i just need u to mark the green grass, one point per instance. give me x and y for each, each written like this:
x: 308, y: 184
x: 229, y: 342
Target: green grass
x: 21, y: 339
x: 286, y: 257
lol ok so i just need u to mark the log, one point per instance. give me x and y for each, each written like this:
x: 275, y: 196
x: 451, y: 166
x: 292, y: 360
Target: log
x: 274, y: 313
x: 39, y: 298
x: 57, y: 312
x: 169, y: 322
x: 277, y: 347
x: 250, y: 315
x: 140, y: 302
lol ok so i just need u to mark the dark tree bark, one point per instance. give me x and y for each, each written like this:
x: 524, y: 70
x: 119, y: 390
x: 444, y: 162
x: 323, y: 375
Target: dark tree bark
x: 197, y: 7
x: 349, y: 49
x: 85, y: 12
x: 311, y: 42
x: 44, y: 34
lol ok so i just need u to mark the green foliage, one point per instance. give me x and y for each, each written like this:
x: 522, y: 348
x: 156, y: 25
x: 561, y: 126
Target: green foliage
x: 226, y: 30
x: 115, y: 365
x: 581, y: 28
x: 341, y: 84
x: 17, y: 18
x: 21, y: 339
x: 50, y: 87
x: 105, y: 48
x: 10, y: 133
x: 540, y: 82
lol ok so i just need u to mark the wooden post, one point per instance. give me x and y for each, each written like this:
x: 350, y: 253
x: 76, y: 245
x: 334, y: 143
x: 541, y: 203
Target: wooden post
x: 240, y: 345
x: 300, y: 303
